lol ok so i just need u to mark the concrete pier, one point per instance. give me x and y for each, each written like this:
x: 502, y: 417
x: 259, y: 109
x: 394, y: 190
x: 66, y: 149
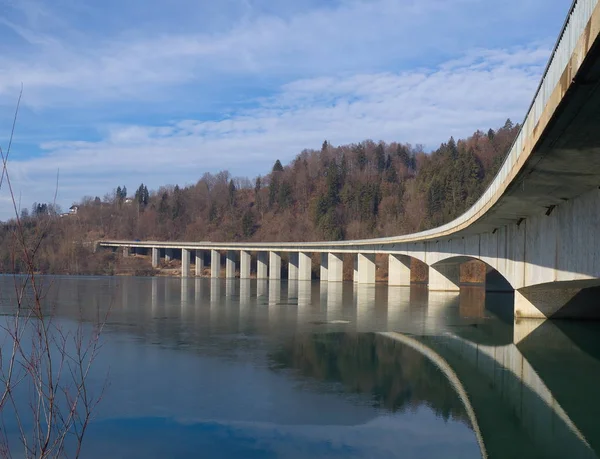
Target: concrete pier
x: 398, y: 270
x: 335, y: 267
x: 355, y: 269
x: 564, y: 301
x: 199, y: 267
x: 126, y: 251
x: 230, y: 265
x: 262, y: 265
x: 155, y: 257
x: 304, y: 266
x: 366, y: 268
x: 245, y: 260
x: 293, y: 267
x: 274, y: 266
x: 185, y: 262
x: 215, y: 264
x: 168, y: 255
x: 444, y: 278
x: 324, y: 269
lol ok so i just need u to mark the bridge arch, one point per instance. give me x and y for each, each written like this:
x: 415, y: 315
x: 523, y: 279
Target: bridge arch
x: 446, y: 272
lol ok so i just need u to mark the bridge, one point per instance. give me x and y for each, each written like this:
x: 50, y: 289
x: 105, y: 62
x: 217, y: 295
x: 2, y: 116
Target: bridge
x: 536, y: 226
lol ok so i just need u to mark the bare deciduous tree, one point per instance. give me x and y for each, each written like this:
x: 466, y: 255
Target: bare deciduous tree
x: 44, y: 364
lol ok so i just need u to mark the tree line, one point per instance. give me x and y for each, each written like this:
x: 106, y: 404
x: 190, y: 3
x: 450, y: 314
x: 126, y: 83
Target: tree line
x: 367, y: 189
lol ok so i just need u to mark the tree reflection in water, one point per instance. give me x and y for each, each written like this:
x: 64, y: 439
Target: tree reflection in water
x: 394, y: 376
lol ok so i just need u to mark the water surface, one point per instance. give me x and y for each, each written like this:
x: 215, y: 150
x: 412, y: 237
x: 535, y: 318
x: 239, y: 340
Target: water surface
x: 223, y: 369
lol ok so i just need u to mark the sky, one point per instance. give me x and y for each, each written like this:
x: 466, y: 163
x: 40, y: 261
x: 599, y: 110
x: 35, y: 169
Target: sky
x: 161, y: 91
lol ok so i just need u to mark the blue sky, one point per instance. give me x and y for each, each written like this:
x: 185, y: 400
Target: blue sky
x: 156, y: 91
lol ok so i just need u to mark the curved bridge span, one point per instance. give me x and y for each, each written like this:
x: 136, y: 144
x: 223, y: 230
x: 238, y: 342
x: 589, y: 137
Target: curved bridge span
x: 537, y: 224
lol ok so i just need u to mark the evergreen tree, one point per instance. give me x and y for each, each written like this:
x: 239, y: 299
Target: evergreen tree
x: 452, y: 150
x: 277, y: 167
x: 178, y: 207
x: 403, y: 155
x: 343, y: 167
x: 142, y: 196
x: 391, y: 176
x: 380, y: 158
x: 213, y: 212
x: 334, y: 183
x: 164, y: 209
x: 248, y: 223
x: 361, y: 156
x: 232, y: 191
x: 257, y: 199
x: 120, y: 195
x: 284, y: 197
x: 388, y: 162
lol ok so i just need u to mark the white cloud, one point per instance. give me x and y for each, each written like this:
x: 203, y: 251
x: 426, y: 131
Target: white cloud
x: 149, y: 91
x: 71, y: 69
x: 426, y: 106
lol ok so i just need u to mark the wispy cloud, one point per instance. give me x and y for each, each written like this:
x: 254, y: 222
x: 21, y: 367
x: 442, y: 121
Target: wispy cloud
x: 426, y: 105
x: 354, y: 36
x: 161, y: 94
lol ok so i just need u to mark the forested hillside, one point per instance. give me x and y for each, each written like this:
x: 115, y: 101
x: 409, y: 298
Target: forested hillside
x: 338, y: 192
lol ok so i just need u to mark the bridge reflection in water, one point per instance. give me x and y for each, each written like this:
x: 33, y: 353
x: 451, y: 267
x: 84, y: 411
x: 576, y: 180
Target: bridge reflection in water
x: 526, y: 389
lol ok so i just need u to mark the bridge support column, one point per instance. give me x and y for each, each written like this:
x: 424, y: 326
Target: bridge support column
x: 557, y: 302
x: 155, y: 257
x: 199, y: 267
x: 168, y: 255
x: 185, y: 263
x: 324, y: 269
x: 245, y: 260
x: 398, y: 270
x: 230, y: 265
x: 444, y: 278
x: 366, y: 268
x: 126, y: 252
x: 304, y: 266
x: 293, y: 267
x: 335, y: 267
x: 355, y: 269
x: 274, y: 266
x: 215, y: 264
x: 261, y: 265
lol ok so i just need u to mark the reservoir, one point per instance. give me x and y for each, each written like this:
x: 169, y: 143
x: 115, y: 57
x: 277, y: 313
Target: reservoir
x: 267, y: 369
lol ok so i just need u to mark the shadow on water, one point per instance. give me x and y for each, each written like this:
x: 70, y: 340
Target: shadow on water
x: 566, y: 355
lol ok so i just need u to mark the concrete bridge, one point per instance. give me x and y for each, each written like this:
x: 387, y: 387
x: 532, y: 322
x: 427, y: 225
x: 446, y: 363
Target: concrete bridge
x: 537, y: 225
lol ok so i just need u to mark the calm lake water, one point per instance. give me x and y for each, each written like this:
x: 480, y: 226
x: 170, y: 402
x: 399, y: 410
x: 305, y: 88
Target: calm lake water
x: 227, y: 369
